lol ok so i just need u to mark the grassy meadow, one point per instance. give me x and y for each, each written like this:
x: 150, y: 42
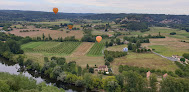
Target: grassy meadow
x: 147, y: 60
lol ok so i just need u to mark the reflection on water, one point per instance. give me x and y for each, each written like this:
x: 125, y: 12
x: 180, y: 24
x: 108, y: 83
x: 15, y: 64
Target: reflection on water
x: 13, y: 68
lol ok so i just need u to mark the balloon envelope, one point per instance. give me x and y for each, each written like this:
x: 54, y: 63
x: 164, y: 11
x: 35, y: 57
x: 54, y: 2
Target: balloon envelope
x: 55, y: 10
x: 98, y: 38
x: 70, y: 25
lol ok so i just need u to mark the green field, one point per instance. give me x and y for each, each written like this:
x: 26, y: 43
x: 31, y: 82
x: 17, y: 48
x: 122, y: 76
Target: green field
x: 51, y: 47
x: 117, y: 48
x: 53, y: 23
x: 180, y: 34
x: 96, y: 50
x: 168, y: 51
x: 147, y: 60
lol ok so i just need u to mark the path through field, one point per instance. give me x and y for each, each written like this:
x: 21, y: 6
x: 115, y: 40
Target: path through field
x: 82, y: 49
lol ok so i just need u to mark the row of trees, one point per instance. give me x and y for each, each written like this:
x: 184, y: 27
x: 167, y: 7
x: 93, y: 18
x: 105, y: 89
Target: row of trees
x: 142, y: 71
x: 117, y: 41
x: 60, y: 39
x: 110, y: 55
x: 137, y: 39
x: 28, y: 30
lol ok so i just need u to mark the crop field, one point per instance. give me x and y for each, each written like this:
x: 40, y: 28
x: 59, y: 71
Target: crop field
x: 82, y: 49
x: 51, y: 47
x: 97, y: 49
x: 147, y: 60
x: 168, y: 46
x: 55, y: 34
x: 53, y: 23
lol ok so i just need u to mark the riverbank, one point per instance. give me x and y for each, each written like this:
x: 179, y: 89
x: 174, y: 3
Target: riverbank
x: 13, y: 68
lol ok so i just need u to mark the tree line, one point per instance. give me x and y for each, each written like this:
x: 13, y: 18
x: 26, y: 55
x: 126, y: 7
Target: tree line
x: 110, y: 55
x: 20, y: 83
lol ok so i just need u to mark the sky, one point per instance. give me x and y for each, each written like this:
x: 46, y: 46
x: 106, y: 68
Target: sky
x: 100, y: 6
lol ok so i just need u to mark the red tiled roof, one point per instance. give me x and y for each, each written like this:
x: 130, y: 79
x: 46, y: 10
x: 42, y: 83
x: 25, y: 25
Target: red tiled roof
x: 102, y: 66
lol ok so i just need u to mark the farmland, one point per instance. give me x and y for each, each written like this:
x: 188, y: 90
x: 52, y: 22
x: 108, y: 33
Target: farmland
x: 168, y: 46
x: 51, y: 47
x: 53, y: 33
x: 147, y: 60
x: 96, y: 50
x: 72, y: 51
x: 57, y: 22
x: 117, y: 48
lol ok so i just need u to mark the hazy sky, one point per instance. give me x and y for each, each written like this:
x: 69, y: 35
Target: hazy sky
x: 100, y: 6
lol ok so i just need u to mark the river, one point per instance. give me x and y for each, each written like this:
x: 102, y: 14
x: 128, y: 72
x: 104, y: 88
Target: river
x: 13, y: 68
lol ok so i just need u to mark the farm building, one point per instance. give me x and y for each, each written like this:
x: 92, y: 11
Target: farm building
x: 2, y: 31
x: 179, y: 57
x: 165, y: 75
x: 103, y: 68
x: 125, y: 49
x: 148, y: 74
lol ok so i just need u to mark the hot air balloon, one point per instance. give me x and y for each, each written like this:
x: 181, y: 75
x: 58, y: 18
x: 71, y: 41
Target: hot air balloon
x: 70, y: 26
x: 55, y: 10
x: 98, y: 38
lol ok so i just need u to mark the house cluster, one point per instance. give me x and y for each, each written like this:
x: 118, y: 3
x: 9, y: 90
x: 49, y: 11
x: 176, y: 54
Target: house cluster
x: 178, y: 58
x: 103, y: 68
x: 148, y: 74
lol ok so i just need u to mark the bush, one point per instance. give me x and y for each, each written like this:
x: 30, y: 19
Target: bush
x: 91, y: 70
x: 173, y: 33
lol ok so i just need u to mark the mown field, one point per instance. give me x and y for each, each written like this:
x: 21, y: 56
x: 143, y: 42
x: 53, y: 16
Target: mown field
x: 55, y: 34
x: 97, y: 49
x: 147, y: 60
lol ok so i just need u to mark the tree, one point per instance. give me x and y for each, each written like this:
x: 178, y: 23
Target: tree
x: 61, y: 61
x: 50, y: 38
x: 109, y: 58
x: 135, y: 82
x: 110, y: 44
x: 43, y: 36
x: 120, y: 79
x: 79, y: 70
x: 91, y: 70
x: 20, y: 60
x: 118, y: 42
x: 186, y: 55
x: 130, y: 46
x: 4, y: 86
x: 153, y: 83
x: 13, y: 46
x: 179, y: 72
x: 87, y: 66
x: 107, y: 44
x: 87, y: 78
x: 138, y: 44
x: 107, y: 63
x: 182, y: 59
x: 113, y: 86
x: 46, y: 59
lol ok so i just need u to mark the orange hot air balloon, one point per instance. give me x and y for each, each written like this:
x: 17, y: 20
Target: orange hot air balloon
x: 55, y: 10
x: 70, y: 26
x: 98, y: 38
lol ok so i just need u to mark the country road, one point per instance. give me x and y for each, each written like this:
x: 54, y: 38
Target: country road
x: 169, y: 58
